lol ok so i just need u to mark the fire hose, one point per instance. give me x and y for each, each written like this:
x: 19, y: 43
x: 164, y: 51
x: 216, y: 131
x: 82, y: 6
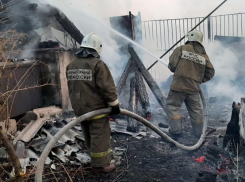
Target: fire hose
x: 165, y: 137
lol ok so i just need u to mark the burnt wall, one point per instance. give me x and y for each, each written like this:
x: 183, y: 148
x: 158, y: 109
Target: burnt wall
x: 53, y: 64
x: 49, y: 71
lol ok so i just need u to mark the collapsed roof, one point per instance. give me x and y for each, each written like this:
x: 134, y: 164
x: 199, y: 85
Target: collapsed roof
x: 28, y: 18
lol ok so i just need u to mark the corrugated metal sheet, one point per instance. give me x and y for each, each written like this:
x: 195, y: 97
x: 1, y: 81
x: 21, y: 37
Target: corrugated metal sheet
x: 67, y: 149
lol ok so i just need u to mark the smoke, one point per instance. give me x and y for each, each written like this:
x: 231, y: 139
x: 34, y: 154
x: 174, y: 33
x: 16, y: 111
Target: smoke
x: 157, y: 9
x: 228, y: 61
x: 87, y: 22
x: 93, y: 16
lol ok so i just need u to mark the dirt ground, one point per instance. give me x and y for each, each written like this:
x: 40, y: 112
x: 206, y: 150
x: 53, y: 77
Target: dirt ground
x: 152, y: 160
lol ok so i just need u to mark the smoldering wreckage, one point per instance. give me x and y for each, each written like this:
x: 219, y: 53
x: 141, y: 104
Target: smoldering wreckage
x: 141, y: 150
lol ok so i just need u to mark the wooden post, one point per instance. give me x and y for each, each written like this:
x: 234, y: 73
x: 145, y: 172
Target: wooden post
x: 149, y: 79
x: 124, y: 76
x: 209, y: 28
x: 142, y: 94
x: 132, y: 124
x: 131, y: 26
x: 67, y: 24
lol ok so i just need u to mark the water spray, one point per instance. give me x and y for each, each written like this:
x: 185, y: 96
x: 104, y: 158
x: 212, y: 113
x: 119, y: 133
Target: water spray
x: 135, y: 43
x: 128, y: 39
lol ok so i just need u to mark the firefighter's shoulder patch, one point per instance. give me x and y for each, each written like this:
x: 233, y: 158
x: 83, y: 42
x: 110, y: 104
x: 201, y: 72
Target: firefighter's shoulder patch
x: 193, y: 57
x: 79, y: 74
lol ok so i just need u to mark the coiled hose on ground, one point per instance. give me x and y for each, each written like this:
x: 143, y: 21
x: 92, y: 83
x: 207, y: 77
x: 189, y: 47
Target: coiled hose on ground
x: 54, y: 140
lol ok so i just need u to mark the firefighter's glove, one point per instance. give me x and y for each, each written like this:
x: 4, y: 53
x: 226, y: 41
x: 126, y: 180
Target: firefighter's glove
x: 115, y: 110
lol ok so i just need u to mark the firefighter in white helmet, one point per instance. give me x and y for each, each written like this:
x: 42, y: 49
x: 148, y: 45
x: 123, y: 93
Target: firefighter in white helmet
x: 92, y: 87
x: 191, y: 67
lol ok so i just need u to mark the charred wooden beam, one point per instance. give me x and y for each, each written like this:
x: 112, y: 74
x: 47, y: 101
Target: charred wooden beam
x: 132, y: 124
x: 149, y: 79
x: 142, y: 94
x: 123, y: 78
x: 67, y: 24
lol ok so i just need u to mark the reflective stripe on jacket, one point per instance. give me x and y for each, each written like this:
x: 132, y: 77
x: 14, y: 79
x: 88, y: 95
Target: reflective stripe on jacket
x: 90, y: 85
x: 191, y: 67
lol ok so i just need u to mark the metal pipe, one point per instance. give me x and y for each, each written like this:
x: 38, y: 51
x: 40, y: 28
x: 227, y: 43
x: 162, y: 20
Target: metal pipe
x: 152, y: 24
x: 212, y: 30
x: 216, y: 25
x: 176, y: 33
x: 180, y: 29
x: 228, y: 25
x: 203, y: 26
x: 237, y: 25
x: 220, y: 25
x: 184, y: 26
x: 172, y: 30
x: 165, y: 137
x: 195, y: 21
x: 149, y: 29
x: 145, y: 29
x: 156, y: 34
x: 224, y: 25
x: 190, y: 30
x: 241, y: 26
x: 168, y: 34
x: 164, y: 35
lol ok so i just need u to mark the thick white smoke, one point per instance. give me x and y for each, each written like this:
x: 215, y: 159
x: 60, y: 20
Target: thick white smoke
x: 228, y: 62
x: 87, y: 14
x: 89, y: 21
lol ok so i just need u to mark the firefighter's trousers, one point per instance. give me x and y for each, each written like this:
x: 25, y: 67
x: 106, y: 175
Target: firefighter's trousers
x: 97, y: 135
x: 192, y: 101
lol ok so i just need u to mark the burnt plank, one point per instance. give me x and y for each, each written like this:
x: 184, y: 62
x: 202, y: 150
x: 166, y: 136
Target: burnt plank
x: 124, y: 76
x: 67, y: 24
x: 142, y: 94
x: 149, y: 79
x: 132, y: 124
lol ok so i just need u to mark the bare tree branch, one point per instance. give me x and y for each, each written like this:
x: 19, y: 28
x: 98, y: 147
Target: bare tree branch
x: 11, y: 152
x: 27, y: 88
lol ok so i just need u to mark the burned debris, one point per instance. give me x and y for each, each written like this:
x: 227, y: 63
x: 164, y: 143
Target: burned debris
x: 138, y: 152
x: 138, y: 93
x: 44, y: 19
x: 66, y: 24
x: 233, y: 129
x: 159, y: 95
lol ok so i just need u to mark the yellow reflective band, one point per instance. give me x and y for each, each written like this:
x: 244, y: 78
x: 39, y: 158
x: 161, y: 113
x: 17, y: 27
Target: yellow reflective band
x: 175, y: 117
x: 101, y: 154
x: 98, y: 117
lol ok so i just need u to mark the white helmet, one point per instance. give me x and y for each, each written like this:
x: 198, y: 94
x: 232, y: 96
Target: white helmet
x: 92, y: 41
x: 195, y: 35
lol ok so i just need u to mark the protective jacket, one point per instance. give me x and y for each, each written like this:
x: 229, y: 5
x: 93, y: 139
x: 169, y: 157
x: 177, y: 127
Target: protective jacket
x: 90, y: 83
x: 191, y: 67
